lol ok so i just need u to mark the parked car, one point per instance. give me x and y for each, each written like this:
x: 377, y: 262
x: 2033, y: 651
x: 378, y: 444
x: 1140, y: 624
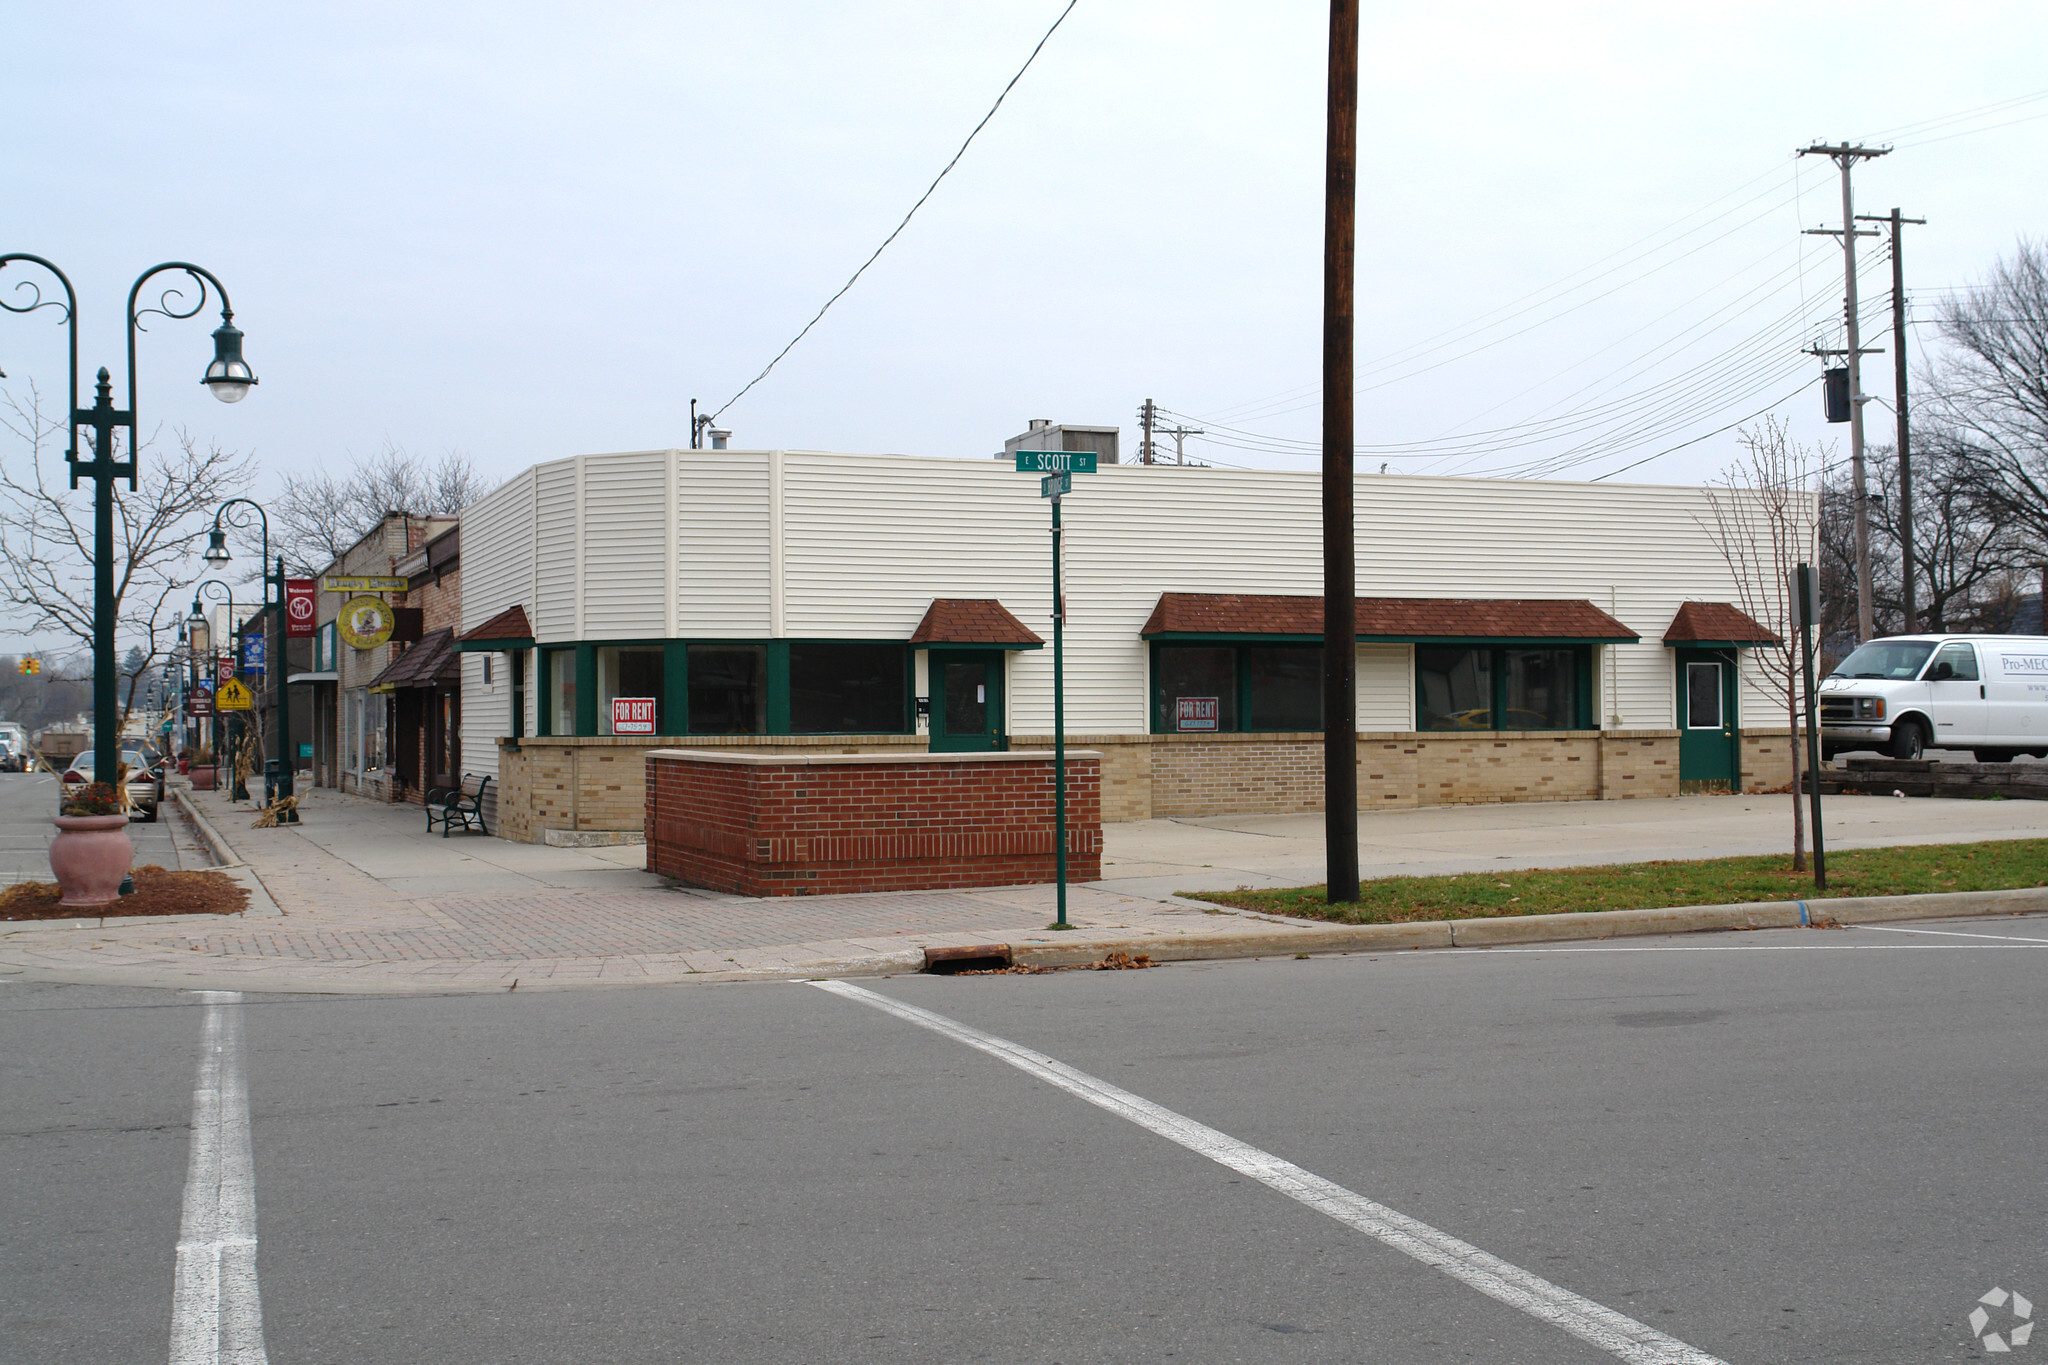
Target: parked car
x: 1908, y: 694
x: 144, y: 783
x: 11, y: 760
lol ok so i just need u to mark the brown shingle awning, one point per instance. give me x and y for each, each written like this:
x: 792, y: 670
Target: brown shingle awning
x: 507, y: 630
x: 1717, y: 623
x: 1201, y: 615
x: 430, y: 663
x: 973, y: 621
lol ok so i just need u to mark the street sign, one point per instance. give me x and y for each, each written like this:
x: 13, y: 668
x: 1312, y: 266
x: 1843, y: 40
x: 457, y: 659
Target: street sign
x: 199, y: 704
x: 1053, y: 485
x: 233, y: 696
x: 370, y: 583
x: 252, y: 654
x: 632, y: 715
x: 224, y: 668
x: 1055, y: 462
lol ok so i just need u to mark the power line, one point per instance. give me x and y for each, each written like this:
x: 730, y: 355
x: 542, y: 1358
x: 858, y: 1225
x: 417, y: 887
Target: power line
x: 908, y: 216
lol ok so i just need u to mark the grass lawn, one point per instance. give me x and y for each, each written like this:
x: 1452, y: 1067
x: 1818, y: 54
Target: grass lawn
x: 1997, y: 866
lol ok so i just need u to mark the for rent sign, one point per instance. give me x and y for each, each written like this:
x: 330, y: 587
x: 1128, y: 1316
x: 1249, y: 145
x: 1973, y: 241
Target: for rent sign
x: 632, y: 715
x: 1197, y: 713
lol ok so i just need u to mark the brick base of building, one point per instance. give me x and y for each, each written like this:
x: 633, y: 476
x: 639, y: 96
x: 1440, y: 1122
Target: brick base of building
x: 759, y: 824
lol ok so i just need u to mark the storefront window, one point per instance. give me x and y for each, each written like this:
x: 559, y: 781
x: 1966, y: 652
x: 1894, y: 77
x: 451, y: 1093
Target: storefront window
x: 728, y: 689
x: 1197, y: 688
x: 518, y: 693
x: 1542, y: 689
x: 1453, y: 689
x: 633, y: 671
x: 1283, y: 687
x: 845, y: 689
x: 561, y: 691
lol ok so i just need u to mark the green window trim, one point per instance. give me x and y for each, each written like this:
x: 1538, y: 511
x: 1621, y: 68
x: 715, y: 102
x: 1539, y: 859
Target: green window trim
x: 676, y: 681
x: 1242, y: 708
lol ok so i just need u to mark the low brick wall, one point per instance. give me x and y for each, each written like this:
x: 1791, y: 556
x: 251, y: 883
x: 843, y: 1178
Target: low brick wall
x: 762, y: 824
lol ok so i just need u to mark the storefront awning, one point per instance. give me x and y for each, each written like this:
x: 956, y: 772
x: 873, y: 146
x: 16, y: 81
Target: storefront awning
x: 1192, y: 617
x: 1717, y: 623
x: 509, y: 629
x: 981, y: 621
x: 430, y: 663
x: 327, y: 677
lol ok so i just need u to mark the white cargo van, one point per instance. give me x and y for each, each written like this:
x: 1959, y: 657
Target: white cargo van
x: 1909, y: 693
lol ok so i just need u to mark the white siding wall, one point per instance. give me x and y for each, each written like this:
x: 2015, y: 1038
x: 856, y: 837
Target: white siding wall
x: 722, y: 543
x: 497, y: 572
x: 553, y: 609
x: 865, y: 542
x: 625, y: 535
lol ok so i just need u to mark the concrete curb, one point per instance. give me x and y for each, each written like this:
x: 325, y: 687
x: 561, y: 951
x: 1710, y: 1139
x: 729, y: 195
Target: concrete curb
x: 217, y: 848
x: 1511, y: 929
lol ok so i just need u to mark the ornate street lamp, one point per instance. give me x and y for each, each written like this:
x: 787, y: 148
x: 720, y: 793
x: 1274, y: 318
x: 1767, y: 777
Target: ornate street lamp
x: 217, y: 554
x: 230, y: 379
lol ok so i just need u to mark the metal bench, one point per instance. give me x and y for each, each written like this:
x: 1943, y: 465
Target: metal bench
x: 464, y: 803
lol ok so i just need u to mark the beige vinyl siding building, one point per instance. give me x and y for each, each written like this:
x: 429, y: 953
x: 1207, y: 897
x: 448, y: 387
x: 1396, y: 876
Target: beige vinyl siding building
x: 718, y: 571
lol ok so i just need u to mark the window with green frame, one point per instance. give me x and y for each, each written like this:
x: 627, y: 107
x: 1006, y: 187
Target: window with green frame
x: 1260, y: 686
x: 1503, y: 687
x: 730, y: 687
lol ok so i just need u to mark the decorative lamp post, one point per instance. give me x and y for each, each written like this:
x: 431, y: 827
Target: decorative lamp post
x: 230, y: 379
x: 274, y: 663
x: 237, y: 792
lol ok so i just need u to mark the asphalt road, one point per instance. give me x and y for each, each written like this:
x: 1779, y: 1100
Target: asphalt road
x: 1784, y: 1146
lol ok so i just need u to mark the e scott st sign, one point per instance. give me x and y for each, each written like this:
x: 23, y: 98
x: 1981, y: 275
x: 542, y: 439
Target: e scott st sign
x: 1055, y: 462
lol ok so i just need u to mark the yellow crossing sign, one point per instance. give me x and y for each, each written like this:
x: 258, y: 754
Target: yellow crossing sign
x: 233, y: 695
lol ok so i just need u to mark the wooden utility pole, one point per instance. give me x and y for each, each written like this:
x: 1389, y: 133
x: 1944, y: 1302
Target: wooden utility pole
x: 1909, y: 580
x: 1845, y: 156
x: 1340, y: 565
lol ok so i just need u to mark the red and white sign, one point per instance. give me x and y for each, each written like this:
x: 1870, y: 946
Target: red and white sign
x: 632, y: 715
x: 1197, y: 713
x: 224, y: 667
x: 298, y: 608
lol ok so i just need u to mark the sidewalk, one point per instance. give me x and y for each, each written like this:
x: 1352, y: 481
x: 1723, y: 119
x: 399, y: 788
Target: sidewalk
x: 367, y: 901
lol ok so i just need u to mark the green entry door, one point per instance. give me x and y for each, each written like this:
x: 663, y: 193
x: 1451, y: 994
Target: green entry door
x: 967, y: 701
x: 1709, y: 736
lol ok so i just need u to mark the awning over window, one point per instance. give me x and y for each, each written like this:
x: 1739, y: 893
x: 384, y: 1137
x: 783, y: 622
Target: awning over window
x: 1716, y: 623
x: 509, y: 629
x: 1199, y: 616
x: 979, y: 621
x: 430, y: 663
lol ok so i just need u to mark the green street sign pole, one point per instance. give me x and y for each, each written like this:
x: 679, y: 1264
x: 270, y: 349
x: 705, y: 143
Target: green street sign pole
x: 1059, y: 720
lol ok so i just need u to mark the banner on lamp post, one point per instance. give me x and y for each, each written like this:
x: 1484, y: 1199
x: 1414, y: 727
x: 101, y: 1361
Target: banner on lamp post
x: 298, y: 608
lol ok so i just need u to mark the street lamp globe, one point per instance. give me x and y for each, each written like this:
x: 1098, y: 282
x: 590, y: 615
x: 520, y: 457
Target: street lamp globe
x: 196, y: 628
x: 229, y: 376
x: 217, y: 547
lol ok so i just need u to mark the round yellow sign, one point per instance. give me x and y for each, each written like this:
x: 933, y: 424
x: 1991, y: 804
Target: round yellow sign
x: 366, y: 622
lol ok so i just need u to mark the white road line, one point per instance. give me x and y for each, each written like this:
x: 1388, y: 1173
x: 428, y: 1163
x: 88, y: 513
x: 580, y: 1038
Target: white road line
x: 1613, y: 1332
x: 216, y: 1314
x: 1946, y: 933
x: 1747, y: 947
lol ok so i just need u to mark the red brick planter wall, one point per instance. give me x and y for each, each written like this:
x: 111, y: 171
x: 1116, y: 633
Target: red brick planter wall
x: 809, y: 824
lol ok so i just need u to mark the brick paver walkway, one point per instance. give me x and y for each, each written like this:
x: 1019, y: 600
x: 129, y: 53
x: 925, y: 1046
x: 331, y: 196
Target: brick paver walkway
x: 342, y: 927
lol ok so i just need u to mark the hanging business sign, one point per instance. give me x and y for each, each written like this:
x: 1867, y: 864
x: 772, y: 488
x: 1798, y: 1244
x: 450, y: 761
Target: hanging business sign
x: 367, y: 622
x: 365, y: 583
x: 632, y: 715
x: 298, y: 608
x: 233, y: 696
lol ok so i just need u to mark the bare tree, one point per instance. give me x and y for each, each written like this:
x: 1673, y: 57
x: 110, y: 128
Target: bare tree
x: 318, y: 516
x: 1967, y: 549
x: 1762, y: 520
x: 1990, y: 384
x: 46, y: 535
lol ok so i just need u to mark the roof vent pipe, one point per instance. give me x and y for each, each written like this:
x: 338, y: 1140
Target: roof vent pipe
x: 719, y: 437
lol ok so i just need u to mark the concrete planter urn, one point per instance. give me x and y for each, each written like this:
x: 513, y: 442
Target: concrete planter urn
x: 90, y: 857
x: 202, y: 777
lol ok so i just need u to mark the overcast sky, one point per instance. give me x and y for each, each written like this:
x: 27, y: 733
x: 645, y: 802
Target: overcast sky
x: 526, y: 231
